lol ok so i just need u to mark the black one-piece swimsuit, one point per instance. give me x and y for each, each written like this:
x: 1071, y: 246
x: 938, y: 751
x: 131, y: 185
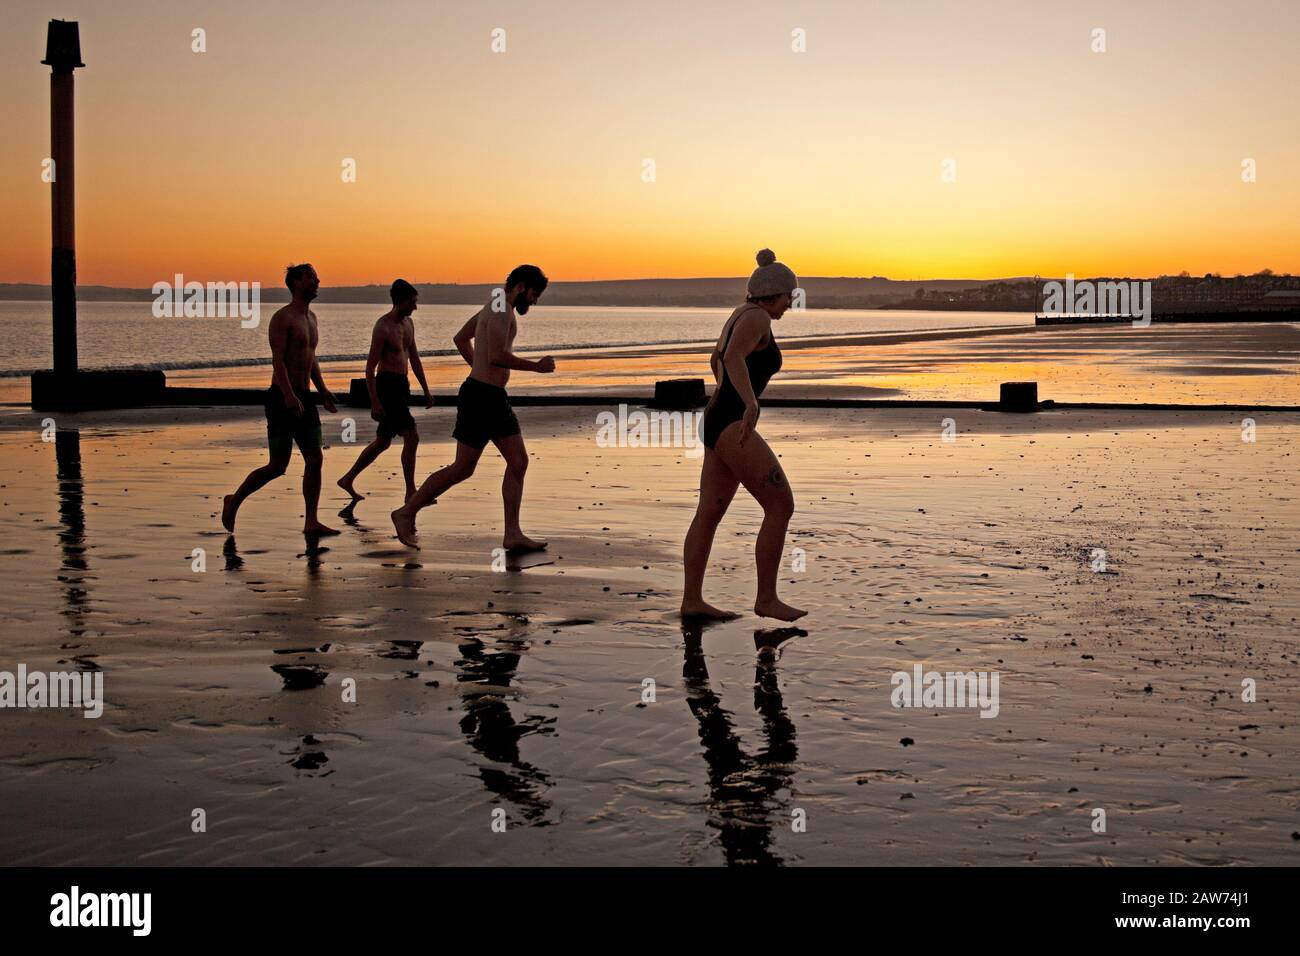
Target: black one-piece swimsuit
x: 726, y: 405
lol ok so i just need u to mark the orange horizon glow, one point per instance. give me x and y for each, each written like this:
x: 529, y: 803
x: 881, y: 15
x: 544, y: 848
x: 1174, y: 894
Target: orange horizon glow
x: 226, y: 165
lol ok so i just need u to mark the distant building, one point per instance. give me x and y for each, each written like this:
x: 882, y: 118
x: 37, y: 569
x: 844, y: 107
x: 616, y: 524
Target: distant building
x: 1281, y: 299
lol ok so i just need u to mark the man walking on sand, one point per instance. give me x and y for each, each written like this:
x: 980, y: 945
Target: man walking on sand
x: 291, y: 415
x: 483, y: 411
x: 392, y: 346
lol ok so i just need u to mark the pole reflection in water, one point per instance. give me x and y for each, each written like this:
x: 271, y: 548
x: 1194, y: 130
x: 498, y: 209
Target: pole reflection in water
x: 748, y: 793
x: 72, y: 537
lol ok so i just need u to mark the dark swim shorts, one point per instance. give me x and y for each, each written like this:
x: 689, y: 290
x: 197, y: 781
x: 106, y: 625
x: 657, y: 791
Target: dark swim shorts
x: 284, y: 428
x: 483, y: 413
x: 394, y: 393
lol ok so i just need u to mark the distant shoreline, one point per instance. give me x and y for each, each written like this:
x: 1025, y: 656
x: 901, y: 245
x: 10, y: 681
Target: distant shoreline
x: 1183, y: 293
x: 823, y: 292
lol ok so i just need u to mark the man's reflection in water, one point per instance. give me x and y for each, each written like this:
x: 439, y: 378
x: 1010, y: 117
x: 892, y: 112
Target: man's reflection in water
x: 491, y: 729
x: 230, y: 551
x: 315, y: 554
x: 72, y: 537
x: 746, y: 797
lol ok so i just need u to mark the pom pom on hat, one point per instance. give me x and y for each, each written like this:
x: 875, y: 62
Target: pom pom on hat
x: 771, y: 277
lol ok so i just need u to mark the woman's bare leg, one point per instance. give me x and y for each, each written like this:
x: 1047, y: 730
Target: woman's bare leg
x: 717, y: 488
x: 760, y: 472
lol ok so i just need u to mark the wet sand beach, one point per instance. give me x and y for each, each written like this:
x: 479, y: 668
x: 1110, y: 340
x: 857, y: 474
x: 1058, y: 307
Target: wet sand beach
x: 525, y: 689
x: 993, y: 311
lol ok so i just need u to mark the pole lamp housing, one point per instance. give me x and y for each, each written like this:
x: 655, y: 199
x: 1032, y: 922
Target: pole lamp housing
x: 63, y: 46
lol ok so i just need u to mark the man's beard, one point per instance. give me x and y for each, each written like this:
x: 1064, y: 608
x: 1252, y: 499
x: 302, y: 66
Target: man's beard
x: 521, y: 304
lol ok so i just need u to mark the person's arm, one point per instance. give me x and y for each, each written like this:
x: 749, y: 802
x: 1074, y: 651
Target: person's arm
x: 501, y: 356
x: 372, y: 363
x: 413, y: 354
x: 327, y: 397
x: 745, y: 336
x: 510, y: 360
x: 278, y: 334
x: 715, y: 366
x: 464, y: 337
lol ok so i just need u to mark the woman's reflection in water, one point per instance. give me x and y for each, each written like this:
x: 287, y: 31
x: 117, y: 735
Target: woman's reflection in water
x: 485, y: 678
x: 748, y: 793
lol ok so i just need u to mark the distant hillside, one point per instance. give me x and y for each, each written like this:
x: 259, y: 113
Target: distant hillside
x: 823, y: 293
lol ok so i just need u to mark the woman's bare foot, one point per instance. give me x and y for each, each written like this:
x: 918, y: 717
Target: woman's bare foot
x: 521, y: 542
x: 404, y: 524
x: 346, y: 484
x: 317, y: 530
x: 778, y: 609
x: 228, y: 512
x: 702, y: 609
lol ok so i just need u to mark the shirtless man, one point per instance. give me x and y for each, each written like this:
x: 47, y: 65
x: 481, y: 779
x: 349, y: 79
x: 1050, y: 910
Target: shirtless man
x: 291, y: 414
x: 483, y: 411
x: 391, y: 346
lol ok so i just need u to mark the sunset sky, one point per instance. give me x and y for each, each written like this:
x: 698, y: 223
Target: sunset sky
x: 226, y: 164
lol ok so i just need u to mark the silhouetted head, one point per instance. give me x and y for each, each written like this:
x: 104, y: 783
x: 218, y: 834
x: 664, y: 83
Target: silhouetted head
x: 524, y: 286
x: 302, y: 280
x: 774, y: 305
x: 403, y: 295
x: 772, y: 285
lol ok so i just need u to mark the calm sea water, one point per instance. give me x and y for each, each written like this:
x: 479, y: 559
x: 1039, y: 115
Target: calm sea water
x: 126, y: 334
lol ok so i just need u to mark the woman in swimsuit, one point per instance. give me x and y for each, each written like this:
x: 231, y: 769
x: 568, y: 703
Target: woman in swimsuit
x: 745, y: 359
